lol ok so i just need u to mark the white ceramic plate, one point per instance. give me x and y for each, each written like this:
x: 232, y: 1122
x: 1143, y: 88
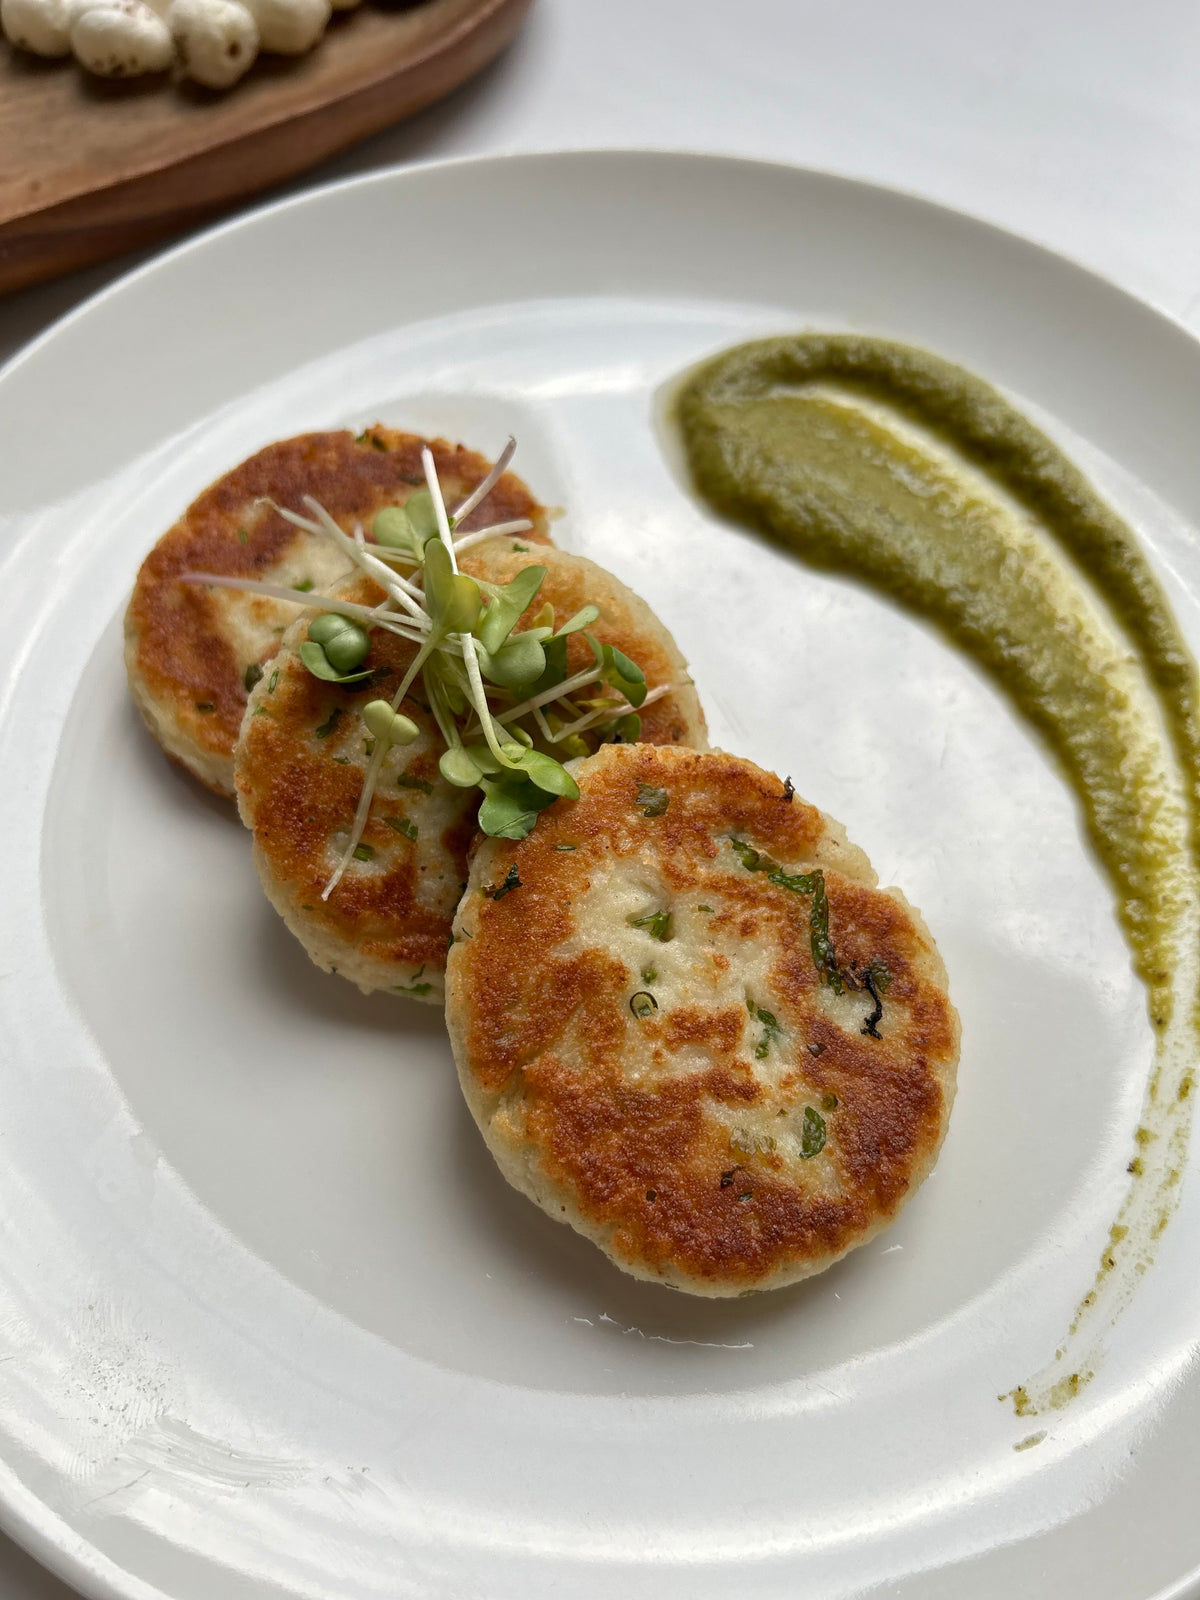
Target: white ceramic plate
x: 271, y: 1324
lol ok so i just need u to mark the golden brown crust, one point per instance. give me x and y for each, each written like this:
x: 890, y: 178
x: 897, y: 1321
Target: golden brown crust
x: 188, y: 648
x: 667, y: 1139
x: 387, y: 924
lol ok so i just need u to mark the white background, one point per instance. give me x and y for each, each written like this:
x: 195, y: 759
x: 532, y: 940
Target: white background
x: 1074, y: 122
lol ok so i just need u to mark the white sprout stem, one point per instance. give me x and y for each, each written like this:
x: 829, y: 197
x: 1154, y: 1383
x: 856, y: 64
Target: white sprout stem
x: 544, y: 728
x: 310, y: 599
x: 387, y: 552
x: 470, y: 658
x: 605, y: 713
x: 445, y: 723
x: 293, y: 517
x: 391, y: 581
x: 330, y: 526
x: 439, y: 505
x: 415, y: 666
x: 409, y: 588
x: 521, y: 525
x: 548, y: 695
x: 383, y: 552
x: 370, y: 778
x: 481, y: 490
x: 479, y: 701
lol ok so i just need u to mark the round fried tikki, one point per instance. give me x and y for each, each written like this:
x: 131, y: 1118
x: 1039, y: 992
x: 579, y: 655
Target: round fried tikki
x: 303, y: 751
x: 693, y: 1028
x: 192, y: 654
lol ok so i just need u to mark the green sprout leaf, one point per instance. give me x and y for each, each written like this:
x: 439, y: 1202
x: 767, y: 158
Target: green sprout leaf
x: 511, y: 806
x: 335, y: 647
x: 393, y: 529
x: 454, y: 599
x: 581, y: 619
x: 549, y: 775
x: 422, y: 518
x: 466, y: 764
x: 658, y: 924
x: 812, y: 1135
x: 624, y: 675
x: 387, y: 724
x: 319, y: 664
x: 555, y: 655
x: 458, y: 768
x: 517, y: 664
x: 507, y: 606
x: 651, y: 801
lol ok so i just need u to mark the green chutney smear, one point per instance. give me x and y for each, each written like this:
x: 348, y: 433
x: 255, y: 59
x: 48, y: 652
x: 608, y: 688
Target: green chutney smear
x: 904, y: 471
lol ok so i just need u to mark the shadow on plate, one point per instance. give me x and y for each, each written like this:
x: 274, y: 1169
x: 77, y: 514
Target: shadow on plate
x: 511, y: 1229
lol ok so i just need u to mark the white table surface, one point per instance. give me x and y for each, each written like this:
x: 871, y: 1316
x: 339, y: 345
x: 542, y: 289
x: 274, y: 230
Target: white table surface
x: 1074, y: 122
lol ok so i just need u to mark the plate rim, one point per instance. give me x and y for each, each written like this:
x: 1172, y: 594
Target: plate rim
x: 262, y: 214
x: 30, y: 1521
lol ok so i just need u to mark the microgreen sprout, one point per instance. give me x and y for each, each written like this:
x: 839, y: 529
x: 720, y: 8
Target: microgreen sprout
x: 335, y: 647
x: 500, y: 694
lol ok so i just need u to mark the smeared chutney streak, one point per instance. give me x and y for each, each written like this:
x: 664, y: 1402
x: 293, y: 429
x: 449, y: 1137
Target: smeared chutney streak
x: 790, y: 436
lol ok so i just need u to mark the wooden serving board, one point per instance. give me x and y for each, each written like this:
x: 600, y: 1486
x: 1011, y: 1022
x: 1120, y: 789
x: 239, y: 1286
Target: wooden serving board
x: 90, y: 167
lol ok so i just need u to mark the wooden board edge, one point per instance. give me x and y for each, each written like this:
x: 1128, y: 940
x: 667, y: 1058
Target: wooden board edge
x: 78, y: 232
